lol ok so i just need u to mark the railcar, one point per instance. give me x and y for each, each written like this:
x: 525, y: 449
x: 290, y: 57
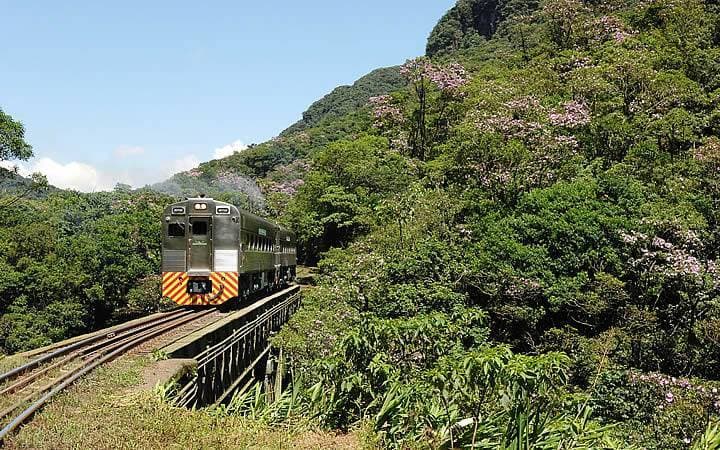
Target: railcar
x: 214, y: 252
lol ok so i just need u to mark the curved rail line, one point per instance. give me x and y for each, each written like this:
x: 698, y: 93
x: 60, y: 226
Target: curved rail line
x: 94, y: 350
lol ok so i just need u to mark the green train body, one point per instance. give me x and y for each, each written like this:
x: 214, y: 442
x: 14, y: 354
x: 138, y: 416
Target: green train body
x: 214, y: 252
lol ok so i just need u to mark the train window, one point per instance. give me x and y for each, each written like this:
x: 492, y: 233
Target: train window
x: 176, y: 229
x: 199, y: 228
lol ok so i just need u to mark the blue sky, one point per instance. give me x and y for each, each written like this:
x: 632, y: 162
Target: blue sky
x: 135, y: 91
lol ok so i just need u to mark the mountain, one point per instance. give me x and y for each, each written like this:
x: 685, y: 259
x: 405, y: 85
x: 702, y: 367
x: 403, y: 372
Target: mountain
x: 470, y: 22
x: 238, y: 178
x: 346, y: 99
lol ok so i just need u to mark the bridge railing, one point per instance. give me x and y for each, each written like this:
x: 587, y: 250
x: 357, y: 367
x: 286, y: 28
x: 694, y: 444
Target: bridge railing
x: 232, y: 364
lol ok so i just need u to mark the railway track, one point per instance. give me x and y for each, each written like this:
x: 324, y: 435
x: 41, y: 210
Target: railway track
x: 25, y: 389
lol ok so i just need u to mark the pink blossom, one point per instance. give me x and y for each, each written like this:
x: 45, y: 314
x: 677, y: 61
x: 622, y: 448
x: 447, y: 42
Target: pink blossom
x: 385, y: 111
x: 523, y: 104
x: 287, y: 187
x: 449, y: 79
x: 522, y: 287
x: 628, y: 238
x: 611, y: 28
x: 566, y: 141
x: 709, y: 154
x: 574, y: 114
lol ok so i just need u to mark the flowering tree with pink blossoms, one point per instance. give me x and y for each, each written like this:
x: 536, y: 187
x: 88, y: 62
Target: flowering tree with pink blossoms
x: 424, y: 117
x: 674, y: 271
x: 522, y: 144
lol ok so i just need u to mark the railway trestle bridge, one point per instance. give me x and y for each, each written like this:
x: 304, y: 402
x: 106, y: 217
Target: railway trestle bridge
x: 230, y: 355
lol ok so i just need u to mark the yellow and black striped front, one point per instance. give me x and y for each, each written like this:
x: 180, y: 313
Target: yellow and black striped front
x: 224, y: 288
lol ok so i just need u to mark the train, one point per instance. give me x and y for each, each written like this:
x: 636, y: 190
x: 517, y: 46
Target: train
x: 214, y: 253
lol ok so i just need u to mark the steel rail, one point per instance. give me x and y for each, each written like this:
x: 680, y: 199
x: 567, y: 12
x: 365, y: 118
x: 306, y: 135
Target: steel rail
x: 54, y: 382
x: 66, y: 380
x: 69, y: 348
x: 134, y: 331
x: 84, y: 351
x: 115, y: 345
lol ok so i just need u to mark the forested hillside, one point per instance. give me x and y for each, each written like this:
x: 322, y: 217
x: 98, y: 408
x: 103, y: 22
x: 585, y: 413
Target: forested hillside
x: 521, y: 246
x: 518, y: 239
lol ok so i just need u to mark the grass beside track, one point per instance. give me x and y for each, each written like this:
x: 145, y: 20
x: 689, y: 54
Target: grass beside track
x: 106, y: 410
x: 10, y: 362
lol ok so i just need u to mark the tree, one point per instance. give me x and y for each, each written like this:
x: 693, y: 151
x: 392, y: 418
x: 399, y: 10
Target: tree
x: 12, y: 139
x: 13, y: 146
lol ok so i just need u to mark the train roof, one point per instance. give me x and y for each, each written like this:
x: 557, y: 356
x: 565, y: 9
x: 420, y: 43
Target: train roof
x: 243, y: 212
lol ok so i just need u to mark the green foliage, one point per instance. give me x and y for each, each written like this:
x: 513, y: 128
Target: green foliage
x: 661, y: 411
x: 90, y: 262
x: 518, y: 247
x: 470, y: 22
x: 710, y: 439
x: 12, y: 139
x: 345, y: 185
x: 291, y: 406
x: 13, y: 146
x: 417, y: 385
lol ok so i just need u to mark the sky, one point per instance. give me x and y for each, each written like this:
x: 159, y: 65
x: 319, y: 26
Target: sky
x: 135, y: 91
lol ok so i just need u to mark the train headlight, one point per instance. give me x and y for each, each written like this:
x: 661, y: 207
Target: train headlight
x: 200, y: 206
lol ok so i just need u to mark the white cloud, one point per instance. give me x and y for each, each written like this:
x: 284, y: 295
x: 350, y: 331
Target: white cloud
x: 125, y: 151
x: 229, y: 149
x: 183, y: 164
x: 73, y: 175
x: 85, y: 177
x: 9, y: 165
